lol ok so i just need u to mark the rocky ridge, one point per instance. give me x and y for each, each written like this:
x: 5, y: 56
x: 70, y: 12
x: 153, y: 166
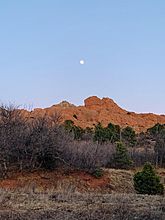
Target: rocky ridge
x: 103, y: 110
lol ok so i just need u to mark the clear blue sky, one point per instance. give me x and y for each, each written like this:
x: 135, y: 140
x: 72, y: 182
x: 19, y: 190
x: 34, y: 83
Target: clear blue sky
x: 122, y: 42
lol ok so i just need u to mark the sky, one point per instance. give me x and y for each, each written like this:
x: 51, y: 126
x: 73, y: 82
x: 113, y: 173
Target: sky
x: 121, y: 41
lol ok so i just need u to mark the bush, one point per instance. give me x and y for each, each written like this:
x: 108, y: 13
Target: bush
x: 147, y: 182
x: 121, y: 158
x: 156, y: 129
x: 69, y: 125
x: 76, y: 130
x: 47, y: 161
x: 129, y: 136
x: 100, y: 133
x: 98, y: 173
x: 111, y: 133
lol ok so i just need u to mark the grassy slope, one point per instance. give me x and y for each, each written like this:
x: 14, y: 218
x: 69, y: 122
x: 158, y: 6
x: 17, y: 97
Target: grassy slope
x: 76, y: 195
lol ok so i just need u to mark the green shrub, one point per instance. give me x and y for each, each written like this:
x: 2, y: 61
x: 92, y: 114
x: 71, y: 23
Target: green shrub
x: 129, y: 136
x: 104, y: 134
x: 147, y: 182
x: 156, y: 129
x: 98, y: 173
x: 68, y: 125
x: 121, y: 158
x: 100, y: 133
x: 76, y: 130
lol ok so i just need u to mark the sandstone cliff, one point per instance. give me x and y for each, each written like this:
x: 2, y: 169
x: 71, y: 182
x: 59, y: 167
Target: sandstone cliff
x: 100, y: 110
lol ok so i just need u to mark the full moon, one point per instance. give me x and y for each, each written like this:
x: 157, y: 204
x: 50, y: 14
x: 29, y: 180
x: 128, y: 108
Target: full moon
x: 82, y: 62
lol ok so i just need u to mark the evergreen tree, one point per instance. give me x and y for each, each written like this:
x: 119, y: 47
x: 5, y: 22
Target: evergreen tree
x: 110, y: 133
x: 113, y: 132
x: 76, y: 130
x: 156, y: 130
x: 129, y: 136
x: 68, y: 125
x: 100, y: 133
x: 147, y: 182
x: 121, y: 157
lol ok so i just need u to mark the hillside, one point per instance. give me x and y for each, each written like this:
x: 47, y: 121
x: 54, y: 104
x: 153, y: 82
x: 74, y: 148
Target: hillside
x: 100, y: 110
x: 77, y: 195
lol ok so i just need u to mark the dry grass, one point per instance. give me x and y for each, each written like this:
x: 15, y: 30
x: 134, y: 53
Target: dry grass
x: 77, y: 195
x: 26, y: 204
x: 120, y: 181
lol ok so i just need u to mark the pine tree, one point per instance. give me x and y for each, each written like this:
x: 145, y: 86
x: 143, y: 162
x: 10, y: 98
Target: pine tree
x: 129, y: 136
x: 147, y: 182
x: 121, y: 157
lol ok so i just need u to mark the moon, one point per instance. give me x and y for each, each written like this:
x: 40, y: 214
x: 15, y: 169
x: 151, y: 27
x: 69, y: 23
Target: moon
x: 82, y: 62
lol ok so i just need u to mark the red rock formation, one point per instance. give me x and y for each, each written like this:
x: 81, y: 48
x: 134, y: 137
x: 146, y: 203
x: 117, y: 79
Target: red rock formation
x: 100, y: 110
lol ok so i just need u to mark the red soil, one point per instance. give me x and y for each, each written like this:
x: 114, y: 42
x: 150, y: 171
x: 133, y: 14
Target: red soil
x: 47, y: 180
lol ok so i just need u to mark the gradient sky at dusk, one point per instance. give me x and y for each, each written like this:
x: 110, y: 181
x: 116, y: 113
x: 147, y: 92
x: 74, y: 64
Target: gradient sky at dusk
x: 122, y: 42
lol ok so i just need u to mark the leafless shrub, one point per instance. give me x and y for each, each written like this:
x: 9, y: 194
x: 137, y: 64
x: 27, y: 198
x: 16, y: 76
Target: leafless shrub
x: 88, y: 155
x: 29, y: 144
x: 13, y: 132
